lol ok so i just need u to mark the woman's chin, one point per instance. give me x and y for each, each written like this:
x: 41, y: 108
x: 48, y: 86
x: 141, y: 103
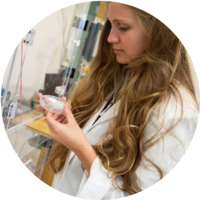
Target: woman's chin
x: 121, y: 60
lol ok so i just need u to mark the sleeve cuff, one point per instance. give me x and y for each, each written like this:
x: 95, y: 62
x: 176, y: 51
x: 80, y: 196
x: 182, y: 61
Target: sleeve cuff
x: 97, y: 184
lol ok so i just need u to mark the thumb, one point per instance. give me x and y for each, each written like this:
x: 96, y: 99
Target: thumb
x: 68, y: 113
x: 51, y: 121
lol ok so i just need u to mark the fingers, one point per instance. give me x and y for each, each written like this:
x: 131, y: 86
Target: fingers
x: 52, y: 124
x: 58, y: 116
x: 50, y: 120
x: 38, y: 96
x: 55, y: 116
x: 61, y: 119
x: 68, y: 113
x: 39, y: 108
x: 64, y: 121
x: 47, y: 113
x: 63, y: 99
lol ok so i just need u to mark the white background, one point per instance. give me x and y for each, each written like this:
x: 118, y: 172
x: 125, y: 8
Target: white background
x: 19, y: 16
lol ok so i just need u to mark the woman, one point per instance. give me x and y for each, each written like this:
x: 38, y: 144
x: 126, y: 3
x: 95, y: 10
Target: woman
x: 133, y: 115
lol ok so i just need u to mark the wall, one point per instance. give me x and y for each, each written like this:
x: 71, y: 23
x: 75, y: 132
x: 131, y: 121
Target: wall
x: 45, y: 54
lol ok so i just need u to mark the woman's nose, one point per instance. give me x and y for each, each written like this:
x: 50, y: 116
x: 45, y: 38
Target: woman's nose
x: 112, y: 38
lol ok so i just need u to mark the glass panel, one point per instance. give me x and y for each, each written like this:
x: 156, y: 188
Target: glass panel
x: 31, y: 147
x: 24, y: 140
x: 51, y: 59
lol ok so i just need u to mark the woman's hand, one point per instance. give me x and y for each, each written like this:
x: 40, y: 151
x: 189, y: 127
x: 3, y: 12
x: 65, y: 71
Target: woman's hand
x: 58, y: 117
x: 71, y: 135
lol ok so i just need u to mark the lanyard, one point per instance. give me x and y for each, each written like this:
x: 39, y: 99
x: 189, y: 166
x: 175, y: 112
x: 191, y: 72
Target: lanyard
x: 106, y: 107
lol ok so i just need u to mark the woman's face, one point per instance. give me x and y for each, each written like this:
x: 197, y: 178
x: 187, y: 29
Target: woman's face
x: 127, y: 34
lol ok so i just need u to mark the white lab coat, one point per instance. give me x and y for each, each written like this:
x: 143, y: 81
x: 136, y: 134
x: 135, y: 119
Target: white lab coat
x: 165, y: 154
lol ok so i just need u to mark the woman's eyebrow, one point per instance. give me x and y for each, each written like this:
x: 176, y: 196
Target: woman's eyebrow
x: 115, y: 20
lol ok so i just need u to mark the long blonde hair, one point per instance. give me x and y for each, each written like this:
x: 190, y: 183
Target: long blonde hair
x: 145, y: 83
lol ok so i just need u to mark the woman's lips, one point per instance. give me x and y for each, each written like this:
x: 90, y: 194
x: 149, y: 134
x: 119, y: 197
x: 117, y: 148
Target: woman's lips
x: 118, y: 51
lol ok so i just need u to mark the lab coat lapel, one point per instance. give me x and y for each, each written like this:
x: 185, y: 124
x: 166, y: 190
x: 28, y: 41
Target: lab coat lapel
x: 109, y: 114
x: 92, y: 119
x: 105, y: 116
x: 88, y: 126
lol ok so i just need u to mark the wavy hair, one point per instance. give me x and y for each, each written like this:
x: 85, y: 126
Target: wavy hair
x: 145, y: 83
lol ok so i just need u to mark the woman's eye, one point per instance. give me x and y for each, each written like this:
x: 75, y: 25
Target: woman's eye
x: 123, y: 28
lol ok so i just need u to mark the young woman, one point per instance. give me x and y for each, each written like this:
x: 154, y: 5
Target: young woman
x: 133, y: 115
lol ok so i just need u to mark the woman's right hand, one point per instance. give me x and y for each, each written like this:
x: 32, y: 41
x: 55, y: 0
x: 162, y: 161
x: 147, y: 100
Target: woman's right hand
x: 58, y: 117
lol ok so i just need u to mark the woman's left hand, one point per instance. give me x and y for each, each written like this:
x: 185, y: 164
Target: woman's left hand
x: 71, y: 135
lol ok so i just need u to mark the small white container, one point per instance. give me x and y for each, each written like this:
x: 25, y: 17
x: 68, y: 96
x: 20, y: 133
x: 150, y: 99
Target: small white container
x: 53, y: 104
